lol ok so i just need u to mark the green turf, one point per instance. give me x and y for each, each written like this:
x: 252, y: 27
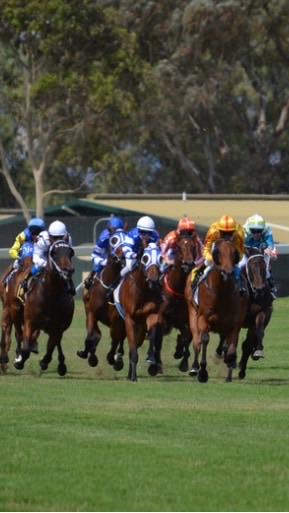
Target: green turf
x: 92, y: 441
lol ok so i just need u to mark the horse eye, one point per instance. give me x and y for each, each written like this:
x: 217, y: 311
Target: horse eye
x: 145, y: 259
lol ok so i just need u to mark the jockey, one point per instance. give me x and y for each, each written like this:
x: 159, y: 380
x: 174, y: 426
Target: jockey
x: 135, y: 241
x: 29, y: 234
x: 258, y: 234
x: 226, y: 228
x: 56, y: 231
x: 185, y: 226
x: 101, y: 249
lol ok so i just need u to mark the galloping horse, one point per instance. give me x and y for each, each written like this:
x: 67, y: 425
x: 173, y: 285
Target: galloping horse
x: 12, y: 313
x: 174, y: 306
x: 140, y: 298
x: 219, y: 308
x: 49, y: 306
x: 99, y: 309
x: 259, y: 311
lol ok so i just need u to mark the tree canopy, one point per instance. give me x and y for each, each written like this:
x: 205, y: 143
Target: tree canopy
x: 138, y: 96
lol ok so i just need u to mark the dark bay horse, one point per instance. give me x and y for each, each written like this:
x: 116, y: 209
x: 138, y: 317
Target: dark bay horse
x: 99, y: 309
x: 140, y: 298
x: 174, y: 307
x: 49, y: 306
x: 219, y: 309
x: 260, y: 308
x: 12, y: 313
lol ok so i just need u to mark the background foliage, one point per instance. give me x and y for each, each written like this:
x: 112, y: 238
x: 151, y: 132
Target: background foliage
x: 137, y: 96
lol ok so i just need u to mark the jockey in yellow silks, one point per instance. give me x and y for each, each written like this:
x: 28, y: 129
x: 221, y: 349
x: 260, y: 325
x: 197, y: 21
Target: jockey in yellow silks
x: 225, y: 228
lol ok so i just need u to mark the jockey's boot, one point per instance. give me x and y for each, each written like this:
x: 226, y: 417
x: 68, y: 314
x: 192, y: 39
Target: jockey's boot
x: 24, y: 284
x: 272, y: 286
x: 89, y: 280
x: 111, y: 288
x: 199, y: 272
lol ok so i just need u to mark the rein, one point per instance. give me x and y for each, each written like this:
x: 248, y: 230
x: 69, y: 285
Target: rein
x: 174, y: 292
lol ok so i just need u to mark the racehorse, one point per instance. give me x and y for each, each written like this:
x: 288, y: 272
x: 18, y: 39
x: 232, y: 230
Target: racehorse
x: 12, y: 314
x: 140, y: 298
x: 174, y: 306
x: 49, y: 306
x: 260, y: 308
x: 99, y: 309
x: 219, y: 308
x: 259, y: 311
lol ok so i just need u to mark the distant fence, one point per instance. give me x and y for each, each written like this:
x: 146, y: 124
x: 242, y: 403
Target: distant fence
x: 83, y: 265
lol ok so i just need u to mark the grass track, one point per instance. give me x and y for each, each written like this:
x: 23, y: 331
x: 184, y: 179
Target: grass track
x: 91, y: 441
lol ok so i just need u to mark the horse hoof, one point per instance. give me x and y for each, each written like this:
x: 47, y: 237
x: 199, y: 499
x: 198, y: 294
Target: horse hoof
x: 62, y: 369
x: 257, y: 354
x: 19, y: 365
x: 203, y: 376
x: 110, y: 358
x: 241, y: 375
x: 93, y: 360
x: 194, y: 371
x: 178, y: 354
x: 43, y: 365
x: 118, y: 364
x: 4, y: 359
x: 152, y: 369
x: 82, y: 354
x: 184, y: 365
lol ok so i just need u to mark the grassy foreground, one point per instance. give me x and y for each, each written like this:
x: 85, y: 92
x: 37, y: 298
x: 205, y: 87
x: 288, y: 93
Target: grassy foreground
x: 92, y: 441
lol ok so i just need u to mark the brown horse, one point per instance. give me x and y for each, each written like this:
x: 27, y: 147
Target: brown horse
x: 49, y: 306
x: 220, y: 308
x: 140, y: 298
x: 12, y: 314
x: 259, y: 310
x: 99, y: 309
x: 174, y: 307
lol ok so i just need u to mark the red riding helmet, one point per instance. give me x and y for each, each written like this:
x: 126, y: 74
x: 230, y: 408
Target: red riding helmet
x: 186, y: 224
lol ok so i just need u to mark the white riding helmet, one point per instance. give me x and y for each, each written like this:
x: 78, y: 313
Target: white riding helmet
x: 146, y: 223
x: 256, y: 222
x: 57, y: 229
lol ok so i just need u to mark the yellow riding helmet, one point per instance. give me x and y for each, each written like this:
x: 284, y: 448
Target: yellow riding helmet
x: 227, y: 224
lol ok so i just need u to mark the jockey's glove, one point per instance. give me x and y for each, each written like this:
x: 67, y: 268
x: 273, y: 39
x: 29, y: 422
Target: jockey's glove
x: 97, y: 268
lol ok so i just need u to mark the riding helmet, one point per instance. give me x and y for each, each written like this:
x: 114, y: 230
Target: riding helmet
x: 146, y: 223
x: 57, y: 229
x: 227, y: 224
x: 186, y: 223
x: 115, y: 222
x: 256, y: 222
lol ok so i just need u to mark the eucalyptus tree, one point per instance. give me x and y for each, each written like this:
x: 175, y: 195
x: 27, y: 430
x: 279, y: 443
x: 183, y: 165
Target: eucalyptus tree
x: 70, y: 85
x: 220, y: 115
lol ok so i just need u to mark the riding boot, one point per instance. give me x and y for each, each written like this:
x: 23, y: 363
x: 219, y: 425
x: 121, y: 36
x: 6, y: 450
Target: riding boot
x: 272, y: 285
x: 89, y: 280
x: 199, y: 272
x: 24, y: 284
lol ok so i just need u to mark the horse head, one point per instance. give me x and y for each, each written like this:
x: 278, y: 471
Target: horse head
x: 152, y: 263
x: 115, y: 244
x: 60, y: 259
x: 256, y: 270
x: 225, y: 256
x: 186, y: 252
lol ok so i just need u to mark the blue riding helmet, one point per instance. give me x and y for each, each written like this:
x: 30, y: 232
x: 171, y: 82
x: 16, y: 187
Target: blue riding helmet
x: 36, y: 222
x: 115, y: 222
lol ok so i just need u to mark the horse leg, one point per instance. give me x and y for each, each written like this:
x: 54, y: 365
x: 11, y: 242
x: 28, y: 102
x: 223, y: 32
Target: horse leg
x: 133, y: 353
x: 186, y: 340
x: 93, y: 337
x: 246, y: 351
x: 260, y: 330
x: 203, y: 373
x: 230, y: 357
x: 6, y: 329
x: 155, y: 334
x: 117, y: 333
x: 196, y: 341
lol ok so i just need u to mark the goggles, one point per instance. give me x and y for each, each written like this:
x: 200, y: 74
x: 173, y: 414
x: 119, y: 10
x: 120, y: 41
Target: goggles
x: 256, y: 231
x: 144, y: 232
